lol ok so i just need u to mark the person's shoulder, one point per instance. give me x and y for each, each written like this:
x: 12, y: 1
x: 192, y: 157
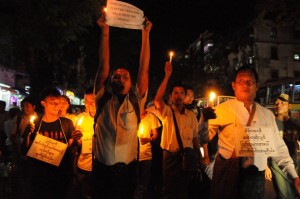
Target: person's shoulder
x: 65, y: 120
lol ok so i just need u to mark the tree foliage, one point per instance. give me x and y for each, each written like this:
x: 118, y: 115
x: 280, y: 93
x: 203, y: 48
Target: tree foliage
x: 49, y: 37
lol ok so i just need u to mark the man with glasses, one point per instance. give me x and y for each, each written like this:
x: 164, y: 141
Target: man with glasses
x: 241, y: 177
x: 289, y: 129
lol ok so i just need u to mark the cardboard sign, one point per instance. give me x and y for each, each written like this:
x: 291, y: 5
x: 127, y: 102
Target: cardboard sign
x: 124, y: 15
x: 47, y: 150
x: 255, y: 140
x: 87, y: 141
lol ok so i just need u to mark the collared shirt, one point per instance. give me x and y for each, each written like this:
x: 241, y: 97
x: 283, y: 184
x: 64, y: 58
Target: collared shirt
x: 187, y: 125
x: 116, y: 130
x: 87, y: 128
x: 147, y: 123
x: 232, y: 113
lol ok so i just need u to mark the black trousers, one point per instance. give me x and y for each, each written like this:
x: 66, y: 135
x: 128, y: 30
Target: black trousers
x: 115, y: 181
x: 175, y: 180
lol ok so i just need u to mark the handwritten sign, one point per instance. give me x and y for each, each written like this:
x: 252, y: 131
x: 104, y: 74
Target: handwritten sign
x: 124, y: 15
x: 87, y: 141
x: 255, y: 140
x: 47, y: 150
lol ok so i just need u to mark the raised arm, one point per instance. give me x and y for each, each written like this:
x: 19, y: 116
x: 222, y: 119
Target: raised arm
x: 159, y: 98
x: 142, y: 78
x: 104, y: 56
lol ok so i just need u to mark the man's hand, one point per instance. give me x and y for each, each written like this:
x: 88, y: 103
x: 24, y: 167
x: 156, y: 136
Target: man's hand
x: 145, y: 140
x: 297, y: 185
x: 205, y: 161
x: 147, y: 25
x: 101, y: 21
x: 268, y: 174
x: 76, y: 135
x: 209, y: 113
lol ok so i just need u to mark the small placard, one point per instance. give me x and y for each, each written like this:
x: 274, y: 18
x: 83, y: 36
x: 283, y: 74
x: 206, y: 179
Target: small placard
x: 255, y: 140
x: 87, y: 141
x: 47, y: 150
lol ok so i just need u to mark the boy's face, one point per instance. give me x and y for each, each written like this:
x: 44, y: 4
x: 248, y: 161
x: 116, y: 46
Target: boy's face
x: 89, y: 101
x: 28, y: 108
x: 51, y: 105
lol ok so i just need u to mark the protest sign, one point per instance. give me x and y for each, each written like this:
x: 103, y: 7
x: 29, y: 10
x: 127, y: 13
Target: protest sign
x: 124, y: 15
x: 47, y: 150
x: 255, y: 140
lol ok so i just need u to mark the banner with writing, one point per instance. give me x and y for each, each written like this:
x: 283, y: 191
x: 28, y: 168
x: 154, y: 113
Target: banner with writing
x: 87, y: 140
x: 255, y: 140
x: 124, y: 15
x: 47, y: 150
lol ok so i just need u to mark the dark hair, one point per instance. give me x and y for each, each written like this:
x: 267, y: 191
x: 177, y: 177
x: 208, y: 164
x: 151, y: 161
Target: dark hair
x: 13, y: 111
x: 188, y: 87
x: 177, y: 85
x: 49, y: 91
x: 248, y: 69
x: 89, y: 90
x: 2, y: 103
x: 28, y: 99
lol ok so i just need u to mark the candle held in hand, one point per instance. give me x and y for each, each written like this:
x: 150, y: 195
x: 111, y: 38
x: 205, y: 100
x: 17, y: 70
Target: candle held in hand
x: 32, y: 118
x: 171, y: 55
x: 212, y: 97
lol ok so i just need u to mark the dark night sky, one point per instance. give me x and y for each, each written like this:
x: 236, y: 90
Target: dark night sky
x: 177, y: 23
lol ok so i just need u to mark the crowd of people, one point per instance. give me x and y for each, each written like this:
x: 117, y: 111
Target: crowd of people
x: 110, y: 149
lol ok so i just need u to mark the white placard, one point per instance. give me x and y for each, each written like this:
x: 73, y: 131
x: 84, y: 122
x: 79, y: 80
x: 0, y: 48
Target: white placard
x: 124, y: 15
x: 47, y: 150
x: 87, y: 141
x: 255, y: 140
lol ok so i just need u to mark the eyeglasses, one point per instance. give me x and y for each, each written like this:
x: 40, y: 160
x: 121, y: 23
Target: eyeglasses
x: 247, y: 82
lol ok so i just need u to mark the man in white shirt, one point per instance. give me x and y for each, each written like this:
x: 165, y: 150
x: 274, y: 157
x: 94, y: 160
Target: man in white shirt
x: 233, y: 176
x: 115, y: 140
x: 175, y: 180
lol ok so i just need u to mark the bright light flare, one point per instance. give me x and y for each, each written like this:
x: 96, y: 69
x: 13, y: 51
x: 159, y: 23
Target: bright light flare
x: 32, y: 118
x: 212, y: 97
x: 80, y: 121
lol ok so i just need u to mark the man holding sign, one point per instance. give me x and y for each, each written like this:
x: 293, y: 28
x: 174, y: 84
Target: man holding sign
x: 246, y: 129
x: 48, y: 143
x: 85, y: 126
x: 117, y: 116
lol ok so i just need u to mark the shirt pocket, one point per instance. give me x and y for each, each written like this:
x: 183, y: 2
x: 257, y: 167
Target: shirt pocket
x: 129, y: 120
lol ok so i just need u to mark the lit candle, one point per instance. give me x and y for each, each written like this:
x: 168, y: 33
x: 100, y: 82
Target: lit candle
x: 80, y: 121
x: 32, y: 118
x: 171, y: 55
x: 202, y: 151
x: 141, y: 130
x: 105, y: 9
x: 212, y: 97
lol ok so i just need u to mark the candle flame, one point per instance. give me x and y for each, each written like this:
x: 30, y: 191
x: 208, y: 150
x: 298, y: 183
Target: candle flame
x: 212, y: 97
x: 171, y: 54
x: 80, y: 121
x: 32, y: 118
x: 105, y: 9
x: 141, y: 130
